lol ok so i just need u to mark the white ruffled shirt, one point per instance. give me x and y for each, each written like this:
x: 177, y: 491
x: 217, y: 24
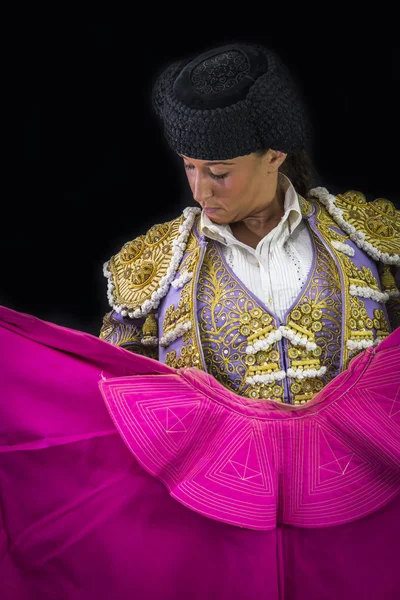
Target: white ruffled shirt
x: 277, y: 269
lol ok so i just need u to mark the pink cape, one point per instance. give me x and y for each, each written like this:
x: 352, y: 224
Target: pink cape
x: 122, y: 478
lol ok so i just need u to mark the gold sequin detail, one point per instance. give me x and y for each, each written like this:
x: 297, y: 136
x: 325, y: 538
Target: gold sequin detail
x: 188, y: 357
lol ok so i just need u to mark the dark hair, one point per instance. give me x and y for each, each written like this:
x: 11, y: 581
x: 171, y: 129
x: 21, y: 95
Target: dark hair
x: 298, y: 168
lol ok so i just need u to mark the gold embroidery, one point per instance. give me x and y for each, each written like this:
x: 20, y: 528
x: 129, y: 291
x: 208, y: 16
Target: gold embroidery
x: 378, y: 220
x: 142, y: 275
x: 190, y: 262
x: 325, y: 224
x: 229, y: 321
x: 188, y: 357
x: 186, y: 338
x: 174, y: 316
x: 305, y: 389
x: 361, y: 277
x: 387, y: 278
x: 305, y: 206
x: 322, y: 299
x: 359, y: 323
x: 132, y: 250
x: 126, y: 335
x: 358, y: 326
x: 157, y: 234
x: 191, y: 337
x: 361, y: 326
x: 192, y: 243
x: 381, y: 324
x: 141, y: 264
x: 184, y: 312
x: 266, y: 391
x: 150, y: 327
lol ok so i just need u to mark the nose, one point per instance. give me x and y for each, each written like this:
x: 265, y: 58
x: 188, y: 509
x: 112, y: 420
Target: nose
x: 201, y: 188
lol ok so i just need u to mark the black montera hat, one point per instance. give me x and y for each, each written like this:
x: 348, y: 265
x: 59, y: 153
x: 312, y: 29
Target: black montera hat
x: 231, y: 101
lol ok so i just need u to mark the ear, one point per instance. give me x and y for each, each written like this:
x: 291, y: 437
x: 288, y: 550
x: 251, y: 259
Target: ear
x: 275, y: 160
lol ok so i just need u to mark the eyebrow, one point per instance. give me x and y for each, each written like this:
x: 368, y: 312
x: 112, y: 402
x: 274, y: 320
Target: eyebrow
x: 218, y: 162
x: 213, y: 162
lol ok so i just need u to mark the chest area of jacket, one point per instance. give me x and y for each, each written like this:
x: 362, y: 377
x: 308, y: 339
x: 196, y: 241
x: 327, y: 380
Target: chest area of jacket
x: 253, y: 352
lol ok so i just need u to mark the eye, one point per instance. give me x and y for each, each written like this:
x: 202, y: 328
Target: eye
x: 212, y: 175
x: 222, y: 176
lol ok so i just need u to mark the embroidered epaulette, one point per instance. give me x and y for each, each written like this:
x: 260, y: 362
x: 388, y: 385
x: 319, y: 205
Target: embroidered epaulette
x: 140, y: 275
x: 373, y: 226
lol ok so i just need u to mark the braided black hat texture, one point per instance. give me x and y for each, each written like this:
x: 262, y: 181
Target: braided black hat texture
x: 231, y: 101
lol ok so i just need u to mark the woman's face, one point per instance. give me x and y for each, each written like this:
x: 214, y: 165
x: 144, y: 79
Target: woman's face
x: 232, y: 190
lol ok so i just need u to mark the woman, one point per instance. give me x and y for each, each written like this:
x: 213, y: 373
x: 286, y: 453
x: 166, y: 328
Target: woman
x: 259, y: 455
x: 272, y: 293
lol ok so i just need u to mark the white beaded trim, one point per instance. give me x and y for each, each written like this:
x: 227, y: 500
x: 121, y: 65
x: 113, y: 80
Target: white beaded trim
x: 179, y: 246
x: 272, y: 337
x: 358, y: 237
x: 267, y: 378
x: 184, y: 278
x: 345, y: 248
x: 300, y: 373
x: 278, y: 334
x: 176, y: 332
x: 150, y: 341
x: 360, y: 344
x: 296, y: 339
x: 367, y: 292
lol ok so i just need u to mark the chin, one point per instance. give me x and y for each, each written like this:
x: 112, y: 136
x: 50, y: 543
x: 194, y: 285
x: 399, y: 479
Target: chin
x: 217, y: 215
x: 220, y: 219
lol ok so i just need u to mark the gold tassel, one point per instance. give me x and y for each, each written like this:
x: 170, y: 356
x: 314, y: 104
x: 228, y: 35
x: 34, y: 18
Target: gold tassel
x: 387, y: 280
x: 150, y: 328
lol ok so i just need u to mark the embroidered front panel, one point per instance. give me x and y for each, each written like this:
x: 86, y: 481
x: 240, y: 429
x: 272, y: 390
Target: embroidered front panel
x: 179, y: 344
x: 318, y: 317
x: 242, y: 343
x: 228, y: 318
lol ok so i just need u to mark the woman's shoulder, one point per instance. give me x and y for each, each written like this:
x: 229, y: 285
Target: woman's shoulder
x: 138, y: 275
x: 374, y: 226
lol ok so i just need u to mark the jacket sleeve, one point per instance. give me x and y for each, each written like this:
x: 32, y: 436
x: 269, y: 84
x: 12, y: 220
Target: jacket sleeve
x: 127, y: 333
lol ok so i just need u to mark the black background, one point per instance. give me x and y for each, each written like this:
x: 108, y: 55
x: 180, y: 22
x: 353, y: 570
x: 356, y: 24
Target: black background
x: 84, y: 164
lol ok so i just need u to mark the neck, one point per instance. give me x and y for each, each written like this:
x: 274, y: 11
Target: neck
x: 261, y: 221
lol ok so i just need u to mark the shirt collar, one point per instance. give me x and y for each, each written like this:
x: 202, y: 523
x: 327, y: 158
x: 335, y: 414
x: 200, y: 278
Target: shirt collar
x: 290, y: 220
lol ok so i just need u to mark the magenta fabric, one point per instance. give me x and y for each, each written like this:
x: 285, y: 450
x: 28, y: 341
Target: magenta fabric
x: 122, y: 478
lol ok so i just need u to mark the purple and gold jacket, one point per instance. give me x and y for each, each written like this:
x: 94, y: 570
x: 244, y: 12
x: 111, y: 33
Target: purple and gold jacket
x: 174, y: 298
